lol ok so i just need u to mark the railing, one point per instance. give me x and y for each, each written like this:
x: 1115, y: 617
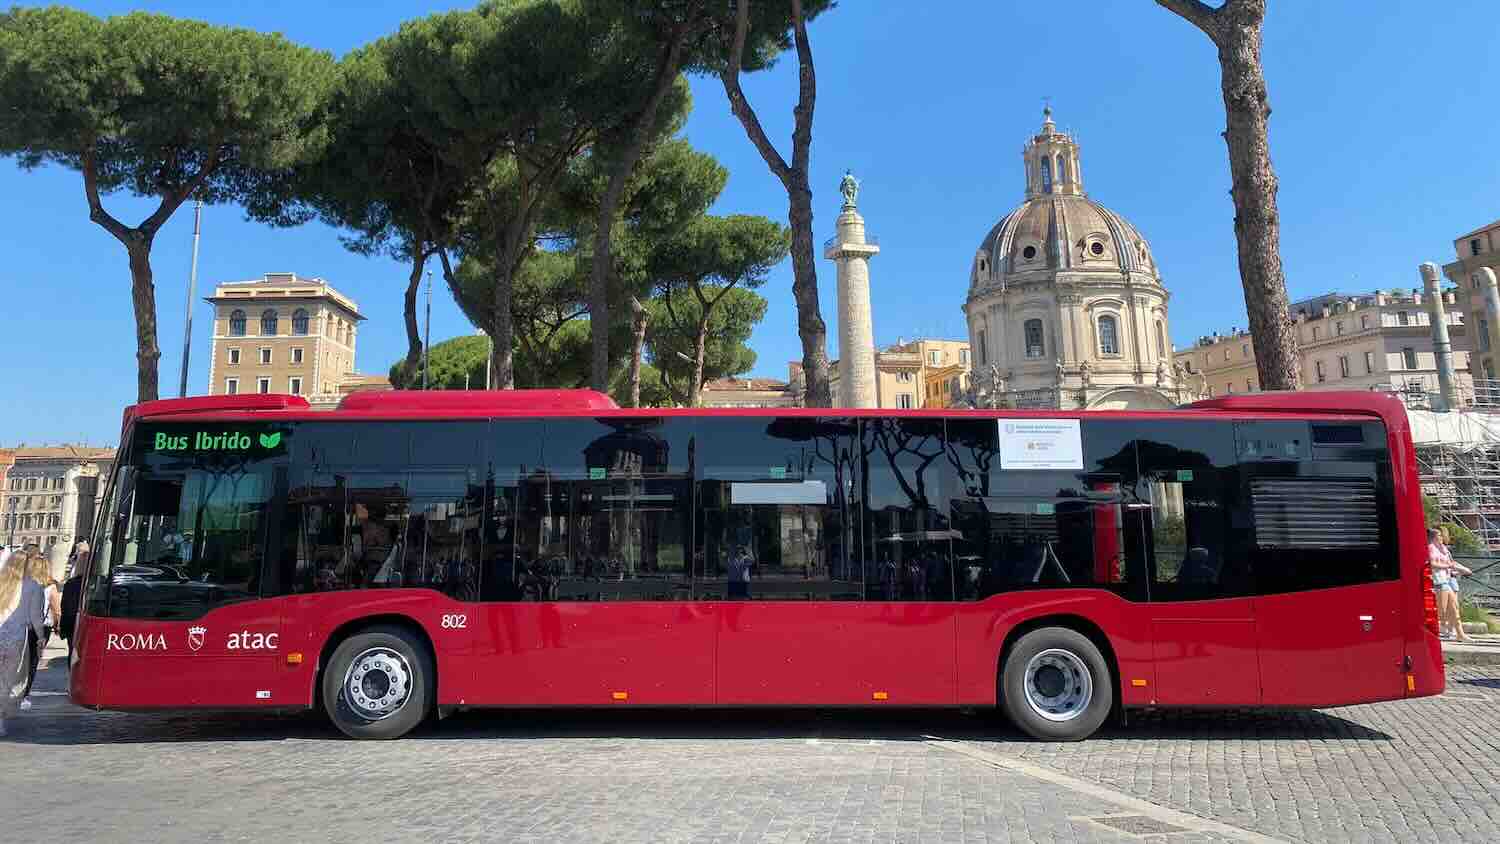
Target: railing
x: 1483, y: 586
x: 870, y: 240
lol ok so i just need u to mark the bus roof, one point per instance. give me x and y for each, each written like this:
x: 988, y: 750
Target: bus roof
x: 473, y: 404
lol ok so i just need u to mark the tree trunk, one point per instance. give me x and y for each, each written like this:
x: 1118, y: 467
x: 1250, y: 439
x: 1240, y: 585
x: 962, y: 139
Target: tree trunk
x: 700, y: 344
x: 413, y: 335
x: 1235, y: 28
x: 666, y: 74
x: 810, y: 326
x: 502, y: 364
x: 143, y: 298
x: 638, y: 319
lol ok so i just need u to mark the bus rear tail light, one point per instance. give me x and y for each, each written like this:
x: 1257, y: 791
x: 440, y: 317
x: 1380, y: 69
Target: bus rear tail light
x: 1429, y: 602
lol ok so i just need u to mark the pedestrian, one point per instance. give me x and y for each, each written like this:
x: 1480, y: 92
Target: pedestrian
x: 1454, y: 609
x: 1444, y: 568
x: 22, y: 614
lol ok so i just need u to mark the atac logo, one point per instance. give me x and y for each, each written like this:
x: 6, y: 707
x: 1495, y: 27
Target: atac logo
x: 195, y: 637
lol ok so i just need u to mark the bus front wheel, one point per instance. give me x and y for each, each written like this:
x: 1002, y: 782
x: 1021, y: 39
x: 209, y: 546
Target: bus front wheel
x: 378, y: 684
x: 1056, y: 685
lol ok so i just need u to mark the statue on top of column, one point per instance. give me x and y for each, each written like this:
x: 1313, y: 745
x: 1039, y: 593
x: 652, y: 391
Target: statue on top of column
x: 849, y: 187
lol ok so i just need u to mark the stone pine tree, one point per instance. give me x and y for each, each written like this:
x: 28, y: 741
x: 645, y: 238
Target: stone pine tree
x: 703, y: 268
x: 395, y: 188
x: 793, y: 175
x: 159, y: 107
x: 1235, y: 28
x: 668, y: 37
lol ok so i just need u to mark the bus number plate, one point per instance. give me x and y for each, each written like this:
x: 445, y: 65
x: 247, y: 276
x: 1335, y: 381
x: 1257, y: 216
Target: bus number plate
x: 455, y: 622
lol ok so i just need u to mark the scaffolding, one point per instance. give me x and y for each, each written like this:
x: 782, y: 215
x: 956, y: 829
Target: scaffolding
x: 1458, y: 463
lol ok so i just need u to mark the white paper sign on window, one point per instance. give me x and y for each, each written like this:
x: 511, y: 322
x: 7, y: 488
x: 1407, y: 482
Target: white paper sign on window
x: 806, y: 492
x: 1040, y: 444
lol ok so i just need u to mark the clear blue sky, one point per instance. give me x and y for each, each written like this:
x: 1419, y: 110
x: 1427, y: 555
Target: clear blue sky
x: 1383, y: 135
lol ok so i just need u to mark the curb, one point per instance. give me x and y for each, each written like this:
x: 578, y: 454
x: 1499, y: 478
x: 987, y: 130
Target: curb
x: 1470, y: 655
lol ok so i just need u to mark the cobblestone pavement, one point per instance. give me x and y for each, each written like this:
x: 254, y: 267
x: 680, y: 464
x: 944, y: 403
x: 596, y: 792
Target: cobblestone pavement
x: 1422, y: 770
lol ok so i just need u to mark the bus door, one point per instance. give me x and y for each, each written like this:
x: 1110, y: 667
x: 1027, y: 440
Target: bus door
x: 1201, y: 593
x: 1328, y: 613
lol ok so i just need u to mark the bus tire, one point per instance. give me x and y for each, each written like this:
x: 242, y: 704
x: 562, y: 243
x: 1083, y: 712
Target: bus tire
x: 1056, y: 685
x: 379, y: 683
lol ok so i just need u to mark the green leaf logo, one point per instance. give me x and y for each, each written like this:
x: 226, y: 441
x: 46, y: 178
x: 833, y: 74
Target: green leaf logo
x: 270, y: 440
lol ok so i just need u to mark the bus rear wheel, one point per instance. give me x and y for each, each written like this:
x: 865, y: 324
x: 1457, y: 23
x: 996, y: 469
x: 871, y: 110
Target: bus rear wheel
x: 1056, y: 686
x: 378, y: 684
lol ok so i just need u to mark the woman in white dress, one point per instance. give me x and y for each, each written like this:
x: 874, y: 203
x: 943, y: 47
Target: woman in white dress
x: 22, y: 610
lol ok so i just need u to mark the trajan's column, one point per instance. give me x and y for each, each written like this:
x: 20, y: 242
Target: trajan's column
x: 848, y: 248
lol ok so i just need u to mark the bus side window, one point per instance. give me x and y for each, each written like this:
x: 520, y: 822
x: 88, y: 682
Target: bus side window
x: 1192, y: 486
x: 908, y: 543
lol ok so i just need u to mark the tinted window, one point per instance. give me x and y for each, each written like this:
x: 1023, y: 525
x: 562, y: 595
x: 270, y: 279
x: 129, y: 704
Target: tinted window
x: 907, y: 539
x: 1044, y: 528
x: 365, y: 514
x: 194, y: 513
x: 1196, y: 533
x: 1321, y: 504
x: 605, y: 512
x: 777, y: 514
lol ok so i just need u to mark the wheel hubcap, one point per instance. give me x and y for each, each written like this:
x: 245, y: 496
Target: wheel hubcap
x: 377, y: 684
x: 1058, y: 685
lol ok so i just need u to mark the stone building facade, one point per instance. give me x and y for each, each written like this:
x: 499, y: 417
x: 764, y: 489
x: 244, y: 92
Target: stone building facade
x: 1371, y: 341
x: 282, y: 334
x: 51, y: 498
x: 1066, y: 307
x: 905, y: 372
x: 1476, y: 251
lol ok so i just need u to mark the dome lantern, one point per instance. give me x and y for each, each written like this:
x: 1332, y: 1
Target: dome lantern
x: 1052, y: 165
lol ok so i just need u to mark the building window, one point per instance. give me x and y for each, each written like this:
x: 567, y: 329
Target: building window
x: 1161, y: 340
x: 903, y: 401
x: 299, y: 322
x: 231, y: 386
x: 1244, y: 350
x: 1474, y: 246
x: 1109, y: 341
x: 268, y: 323
x: 1344, y: 366
x: 1229, y: 389
x: 1249, y: 385
x: 1046, y: 175
x: 1318, y: 367
x: 1369, y: 363
x: 263, y: 385
x: 1403, y: 318
x: 983, y: 347
x: 297, y: 355
x: 1210, y: 392
x: 1364, y: 321
x: 1097, y: 248
x: 265, y: 356
x: 1484, y: 334
x: 1338, y: 328
x: 1226, y: 353
x: 1062, y: 171
x: 1035, y: 347
x: 1315, y: 332
x: 234, y: 357
x: 1489, y: 369
x: 1028, y: 253
x: 294, y: 386
x: 1409, y: 357
x: 963, y: 356
x: 934, y: 357
x: 237, y: 323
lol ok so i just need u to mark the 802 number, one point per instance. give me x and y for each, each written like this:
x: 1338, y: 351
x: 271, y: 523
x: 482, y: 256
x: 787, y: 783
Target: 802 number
x: 455, y: 621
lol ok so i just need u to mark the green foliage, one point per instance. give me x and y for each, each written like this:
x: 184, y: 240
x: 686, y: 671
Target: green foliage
x: 1471, y: 612
x: 157, y: 100
x: 673, y: 336
x: 1462, y: 541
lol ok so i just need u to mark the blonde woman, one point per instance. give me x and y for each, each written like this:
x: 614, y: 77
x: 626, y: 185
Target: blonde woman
x: 22, y: 613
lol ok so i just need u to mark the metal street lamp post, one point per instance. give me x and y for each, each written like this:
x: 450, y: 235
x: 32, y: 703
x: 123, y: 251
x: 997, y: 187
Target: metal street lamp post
x: 187, y: 330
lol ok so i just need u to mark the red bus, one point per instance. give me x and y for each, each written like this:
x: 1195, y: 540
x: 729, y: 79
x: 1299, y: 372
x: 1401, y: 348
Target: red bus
x: 408, y: 555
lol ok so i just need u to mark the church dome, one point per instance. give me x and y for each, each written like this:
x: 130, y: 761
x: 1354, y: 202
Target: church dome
x: 1058, y: 227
